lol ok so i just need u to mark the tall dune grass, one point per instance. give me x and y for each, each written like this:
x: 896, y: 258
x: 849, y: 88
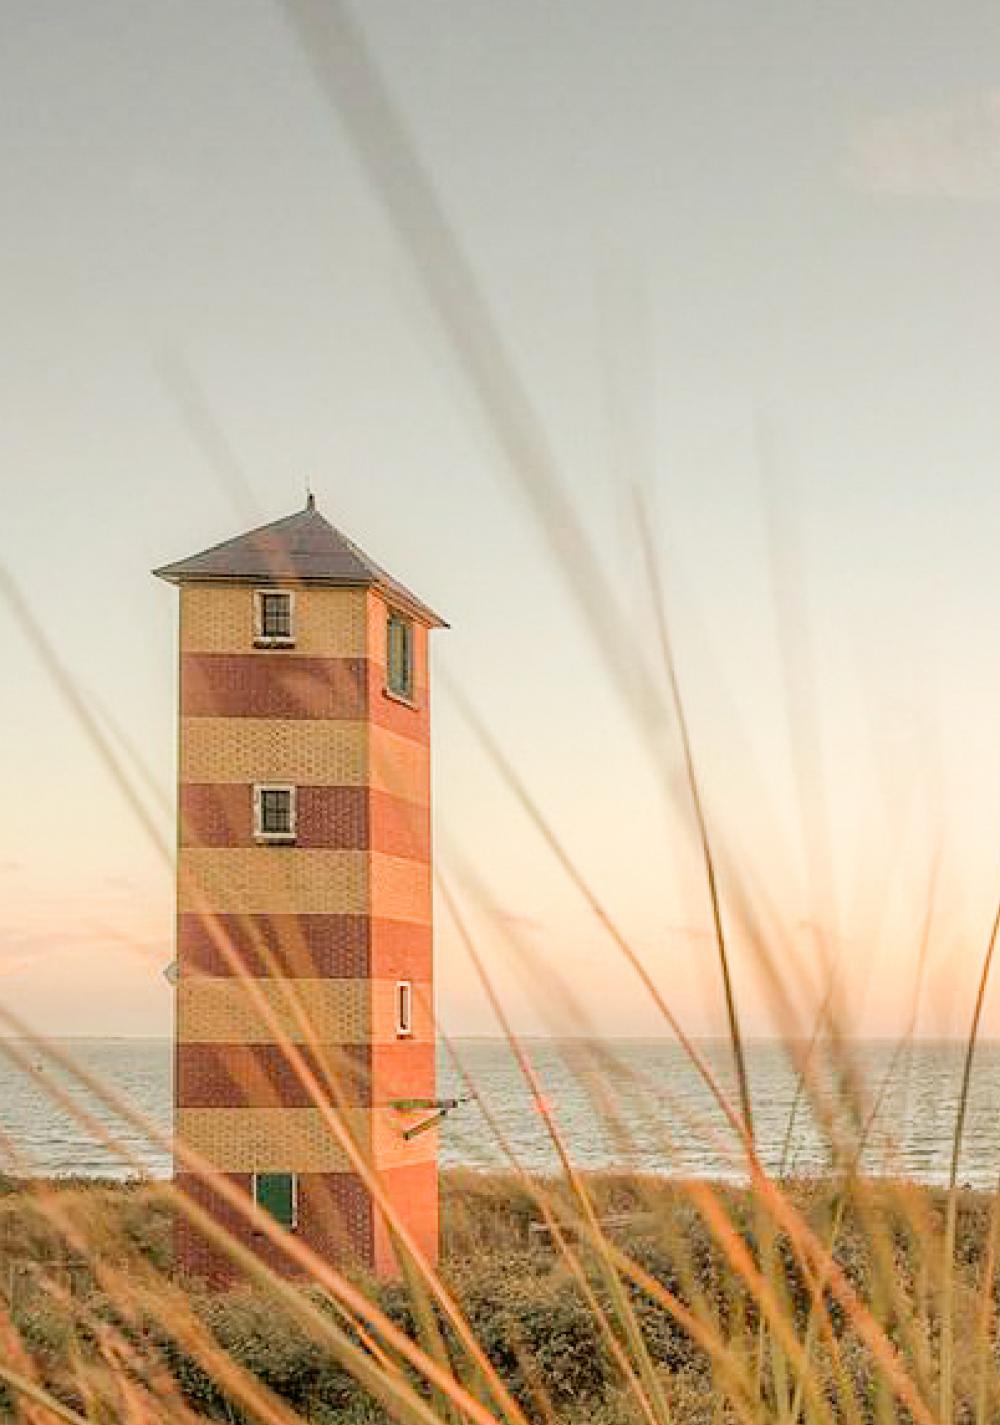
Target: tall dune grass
x: 607, y: 1297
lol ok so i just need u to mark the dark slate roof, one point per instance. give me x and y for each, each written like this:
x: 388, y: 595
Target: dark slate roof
x: 303, y: 548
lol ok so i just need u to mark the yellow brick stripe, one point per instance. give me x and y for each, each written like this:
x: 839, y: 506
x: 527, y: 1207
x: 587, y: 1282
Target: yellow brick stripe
x: 297, y: 1140
x: 400, y: 766
x: 329, y: 623
x: 223, y: 1010
x: 282, y: 880
x: 317, y: 752
x: 401, y: 889
x: 272, y: 880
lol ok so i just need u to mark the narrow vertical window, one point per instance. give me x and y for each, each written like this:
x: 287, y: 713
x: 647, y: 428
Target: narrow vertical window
x: 399, y: 656
x: 278, y: 1194
x: 274, y: 618
x: 273, y: 813
x: 404, y: 1009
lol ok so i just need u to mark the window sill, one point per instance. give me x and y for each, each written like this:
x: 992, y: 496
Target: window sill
x: 261, y: 642
x: 401, y: 698
x: 404, y: 1033
x: 274, y: 838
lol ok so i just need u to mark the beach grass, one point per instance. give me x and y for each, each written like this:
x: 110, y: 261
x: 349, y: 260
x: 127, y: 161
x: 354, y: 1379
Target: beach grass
x: 85, y: 1271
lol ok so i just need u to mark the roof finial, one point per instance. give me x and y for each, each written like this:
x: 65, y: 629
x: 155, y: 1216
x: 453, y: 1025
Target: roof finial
x: 310, y: 497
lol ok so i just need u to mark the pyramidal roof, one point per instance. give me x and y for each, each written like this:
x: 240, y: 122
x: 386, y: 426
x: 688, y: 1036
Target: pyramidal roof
x: 303, y: 548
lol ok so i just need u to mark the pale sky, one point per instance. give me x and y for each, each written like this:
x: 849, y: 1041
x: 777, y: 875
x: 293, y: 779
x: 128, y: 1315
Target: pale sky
x: 747, y: 252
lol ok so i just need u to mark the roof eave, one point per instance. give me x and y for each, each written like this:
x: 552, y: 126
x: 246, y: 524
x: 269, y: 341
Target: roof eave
x: 174, y: 574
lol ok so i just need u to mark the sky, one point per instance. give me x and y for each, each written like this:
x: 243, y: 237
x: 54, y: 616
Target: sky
x: 743, y: 258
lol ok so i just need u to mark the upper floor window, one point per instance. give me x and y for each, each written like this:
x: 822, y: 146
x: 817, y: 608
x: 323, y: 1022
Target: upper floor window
x: 399, y: 656
x: 274, y: 813
x: 274, y: 617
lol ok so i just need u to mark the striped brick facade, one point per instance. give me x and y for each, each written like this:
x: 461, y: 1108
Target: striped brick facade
x: 303, y: 942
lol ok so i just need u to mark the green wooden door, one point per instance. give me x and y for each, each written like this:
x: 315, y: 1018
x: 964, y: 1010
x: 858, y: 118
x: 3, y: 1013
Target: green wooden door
x: 275, y: 1193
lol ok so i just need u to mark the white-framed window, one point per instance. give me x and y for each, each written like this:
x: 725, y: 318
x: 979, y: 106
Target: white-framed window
x: 274, y: 618
x: 278, y: 1194
x: 399, y: 656
x: 404, y: 1009
x: 273, y: 812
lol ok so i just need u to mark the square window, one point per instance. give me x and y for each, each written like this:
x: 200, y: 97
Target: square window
x: 274, y: 813
x: 404, y: 1009
x: 399, y: 656
x: 273, y: 619
x: 278, y: 1194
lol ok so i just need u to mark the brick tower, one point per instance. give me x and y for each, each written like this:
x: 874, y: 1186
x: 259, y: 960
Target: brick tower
x: 304, y: 876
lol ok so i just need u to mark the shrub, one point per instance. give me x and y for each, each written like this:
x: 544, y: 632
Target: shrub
x: 538, y: 1332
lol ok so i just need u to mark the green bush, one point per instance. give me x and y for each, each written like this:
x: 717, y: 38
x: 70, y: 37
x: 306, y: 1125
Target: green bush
x: 538, y: 1332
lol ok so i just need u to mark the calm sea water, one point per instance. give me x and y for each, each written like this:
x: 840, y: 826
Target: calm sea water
x: 636, y: 1105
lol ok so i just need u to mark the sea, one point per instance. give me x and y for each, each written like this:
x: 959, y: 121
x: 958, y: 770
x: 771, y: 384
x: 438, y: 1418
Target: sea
x: 632, y: 1105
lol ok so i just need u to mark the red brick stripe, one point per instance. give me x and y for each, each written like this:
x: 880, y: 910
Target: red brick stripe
x: 346, y: 947
x: 399, y: 827
x: 260, y: 1076
x: 282, y: 685
x: 335, y: 818
x: 221, y: 814
x: 406, y: 1069
x: 310, y: 946
x: 215, y: 815
x: 335, y: 1220
x: 400, y: 951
